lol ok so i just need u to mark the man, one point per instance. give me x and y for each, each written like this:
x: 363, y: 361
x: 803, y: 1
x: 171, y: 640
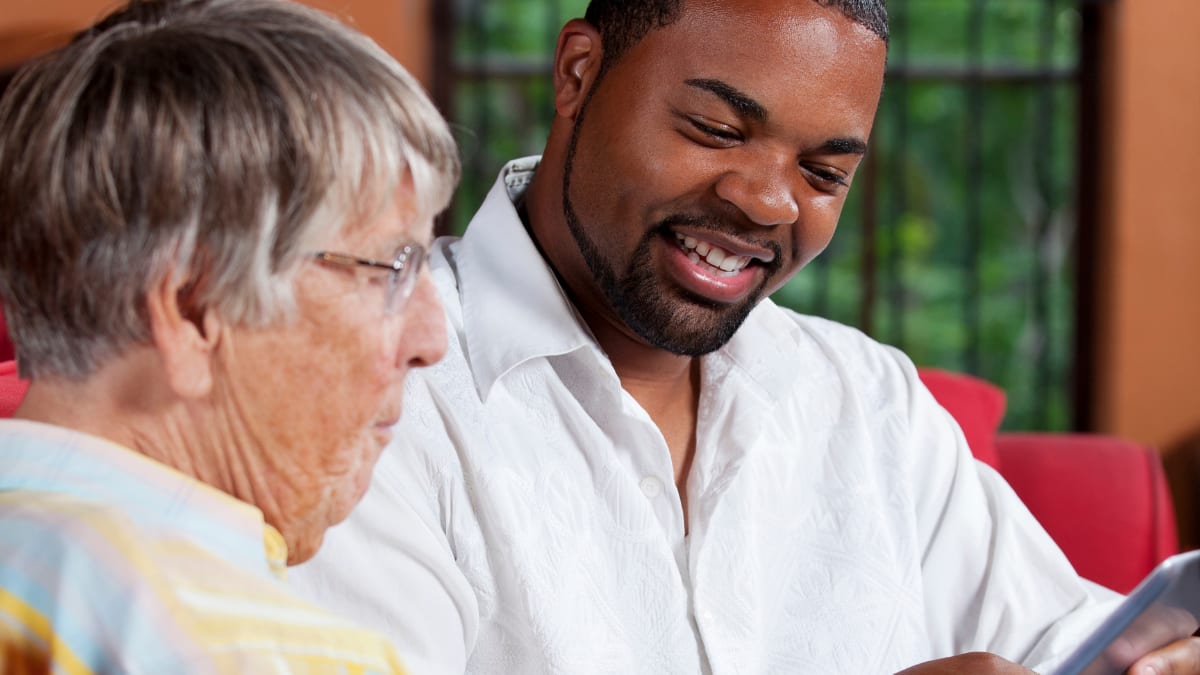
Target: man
x: 212, y: 218
x: 631, y: 461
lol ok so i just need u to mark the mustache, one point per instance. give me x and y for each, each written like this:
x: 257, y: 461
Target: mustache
x: 711, y: 223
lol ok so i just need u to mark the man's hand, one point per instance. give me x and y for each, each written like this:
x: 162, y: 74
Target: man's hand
x: 1181, y: 657
x: 1178, y: 658
x: 972, y: 662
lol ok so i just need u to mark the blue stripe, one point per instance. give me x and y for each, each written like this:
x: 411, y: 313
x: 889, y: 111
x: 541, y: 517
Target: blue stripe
x: 74, y: 584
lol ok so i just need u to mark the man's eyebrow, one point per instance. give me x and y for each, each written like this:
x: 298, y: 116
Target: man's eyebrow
x: 748, y: 107
x: 843, y: 146
x: 743, y: 104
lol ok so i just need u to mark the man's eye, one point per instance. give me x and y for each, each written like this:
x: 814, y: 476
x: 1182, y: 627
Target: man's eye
x: 720, y: 134
x: 826, y: 176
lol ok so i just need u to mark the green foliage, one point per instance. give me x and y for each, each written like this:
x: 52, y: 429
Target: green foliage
x: 940, y: 31
x: 965, y: 262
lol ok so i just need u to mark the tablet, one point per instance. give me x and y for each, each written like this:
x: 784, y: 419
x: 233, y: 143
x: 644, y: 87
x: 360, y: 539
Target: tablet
x: 1162, y: 609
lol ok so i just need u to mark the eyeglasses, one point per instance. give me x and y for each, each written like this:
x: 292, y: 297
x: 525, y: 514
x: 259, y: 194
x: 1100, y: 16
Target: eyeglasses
x: 404, y: 269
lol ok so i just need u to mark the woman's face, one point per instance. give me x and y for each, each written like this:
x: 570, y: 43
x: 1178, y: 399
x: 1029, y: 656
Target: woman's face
x: 312, y: 400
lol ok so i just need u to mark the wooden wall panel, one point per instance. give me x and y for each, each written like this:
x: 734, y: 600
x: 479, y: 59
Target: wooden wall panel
x: 1147, y: 290
x: 400, y: 26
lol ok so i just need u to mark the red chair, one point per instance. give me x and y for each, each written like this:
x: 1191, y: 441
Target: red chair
x: 1104, y: 500
x: 12, y: 388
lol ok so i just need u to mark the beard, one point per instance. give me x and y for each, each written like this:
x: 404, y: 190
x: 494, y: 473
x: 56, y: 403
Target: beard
x: 672, y: 319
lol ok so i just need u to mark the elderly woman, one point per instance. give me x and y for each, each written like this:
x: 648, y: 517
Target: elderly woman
x: 212, y: 226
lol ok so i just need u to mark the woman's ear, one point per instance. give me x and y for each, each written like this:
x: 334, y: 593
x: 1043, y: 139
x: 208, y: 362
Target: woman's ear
x: 185, y: 336
x: 577, y: 60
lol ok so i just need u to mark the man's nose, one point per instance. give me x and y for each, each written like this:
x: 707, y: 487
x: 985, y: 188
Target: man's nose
x: 764, y: 191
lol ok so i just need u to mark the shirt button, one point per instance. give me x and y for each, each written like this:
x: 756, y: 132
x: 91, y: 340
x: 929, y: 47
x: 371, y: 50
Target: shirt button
x: 651, y: 487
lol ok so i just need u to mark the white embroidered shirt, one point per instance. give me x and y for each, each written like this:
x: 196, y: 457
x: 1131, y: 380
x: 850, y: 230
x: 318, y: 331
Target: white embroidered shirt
x: 526, y: 519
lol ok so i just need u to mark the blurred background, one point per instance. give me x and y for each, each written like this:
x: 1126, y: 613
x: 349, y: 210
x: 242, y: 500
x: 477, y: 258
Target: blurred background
x: 1028, y: 212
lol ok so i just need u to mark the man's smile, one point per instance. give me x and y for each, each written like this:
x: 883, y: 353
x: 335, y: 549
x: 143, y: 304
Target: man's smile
x: 721, y: 273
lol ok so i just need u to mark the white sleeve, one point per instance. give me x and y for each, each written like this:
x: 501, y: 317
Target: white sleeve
x: 994, y: 580
x: 389, y: 567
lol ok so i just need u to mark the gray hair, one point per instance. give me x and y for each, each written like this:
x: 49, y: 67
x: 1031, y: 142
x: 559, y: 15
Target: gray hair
x: 216, y: 138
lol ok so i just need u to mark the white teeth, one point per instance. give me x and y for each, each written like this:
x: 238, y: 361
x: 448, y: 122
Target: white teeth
x: 713, y: 255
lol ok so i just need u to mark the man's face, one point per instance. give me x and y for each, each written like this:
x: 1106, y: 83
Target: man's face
x: 712, y: 161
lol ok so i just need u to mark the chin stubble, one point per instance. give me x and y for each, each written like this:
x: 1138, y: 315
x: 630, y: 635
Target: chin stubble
x: 688, y: 327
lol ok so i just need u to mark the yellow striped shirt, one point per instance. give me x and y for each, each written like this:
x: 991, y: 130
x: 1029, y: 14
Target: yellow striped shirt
x: 113, y: 563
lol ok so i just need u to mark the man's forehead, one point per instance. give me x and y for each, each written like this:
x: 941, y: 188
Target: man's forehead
x: 774, y: 13
x: 745, y: 40
x: 803, y: 66
x: 745, y: 29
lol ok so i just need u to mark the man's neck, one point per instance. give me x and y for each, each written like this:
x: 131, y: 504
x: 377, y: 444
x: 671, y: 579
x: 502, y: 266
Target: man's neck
x: 670, y: 399
x: 667, y: 386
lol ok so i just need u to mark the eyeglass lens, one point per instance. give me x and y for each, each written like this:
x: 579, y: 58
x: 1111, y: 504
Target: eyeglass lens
x: 404, y: 277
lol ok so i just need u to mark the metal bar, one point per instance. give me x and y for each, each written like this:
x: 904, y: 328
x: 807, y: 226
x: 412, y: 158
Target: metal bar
x: 988, y: 74
x: 1090, y: 154
x: 1043, y: 140
x: 480, y: 159
x: 974, y: 201
x: 898, y: 189
x: 445, y: 82
x: 506, y: 68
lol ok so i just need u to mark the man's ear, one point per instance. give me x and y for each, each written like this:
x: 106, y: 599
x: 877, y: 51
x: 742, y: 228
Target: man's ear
x: 186, y: 337
x: 577, y: 61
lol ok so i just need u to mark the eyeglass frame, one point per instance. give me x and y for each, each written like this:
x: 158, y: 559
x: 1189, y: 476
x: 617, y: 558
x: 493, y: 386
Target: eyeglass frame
x: 405, y: 269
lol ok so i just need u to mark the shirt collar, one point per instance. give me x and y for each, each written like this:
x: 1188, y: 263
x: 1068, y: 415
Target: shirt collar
x: 515, y: 310
x: 45, y: 458
x: 769, y: 350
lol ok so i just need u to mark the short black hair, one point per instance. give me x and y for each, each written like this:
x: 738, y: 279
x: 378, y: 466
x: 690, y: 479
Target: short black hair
x: 623, y: 23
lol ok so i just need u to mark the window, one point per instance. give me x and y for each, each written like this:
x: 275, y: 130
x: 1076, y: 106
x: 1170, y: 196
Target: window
x: 958, y: 241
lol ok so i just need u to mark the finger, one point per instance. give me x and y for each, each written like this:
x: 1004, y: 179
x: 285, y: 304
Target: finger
x: 1181, y: 657
x: 1156, y: 628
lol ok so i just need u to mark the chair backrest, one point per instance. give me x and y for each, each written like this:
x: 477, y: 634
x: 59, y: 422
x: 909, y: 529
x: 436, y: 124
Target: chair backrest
x: 12, y: 388
x: 1104, y: 500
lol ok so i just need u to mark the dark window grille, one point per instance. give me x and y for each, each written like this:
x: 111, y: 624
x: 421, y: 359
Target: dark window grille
x: 959, y: 241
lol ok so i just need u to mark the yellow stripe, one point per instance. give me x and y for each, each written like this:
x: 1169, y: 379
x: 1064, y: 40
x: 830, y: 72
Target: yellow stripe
x: 225, y: 615
x: 244, y: 659
x: 236, y: 616
x: 60, y: 653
